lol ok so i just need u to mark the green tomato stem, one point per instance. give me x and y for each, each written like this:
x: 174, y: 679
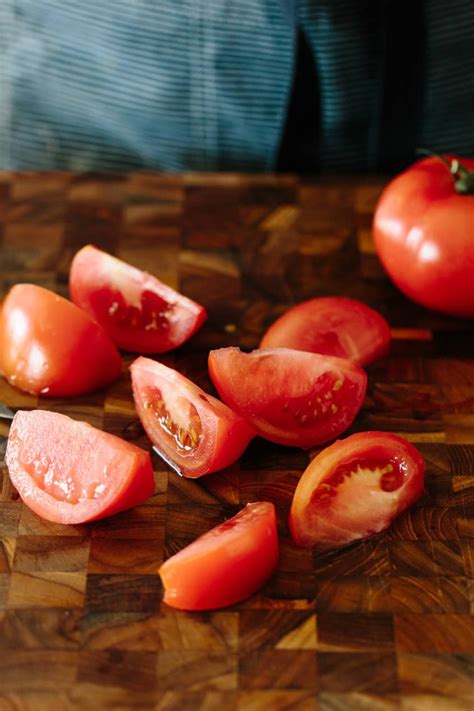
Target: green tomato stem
x: 463, y: 177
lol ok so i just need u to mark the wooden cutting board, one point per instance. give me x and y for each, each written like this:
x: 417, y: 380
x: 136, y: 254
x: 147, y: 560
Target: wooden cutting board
x: 384, y: 624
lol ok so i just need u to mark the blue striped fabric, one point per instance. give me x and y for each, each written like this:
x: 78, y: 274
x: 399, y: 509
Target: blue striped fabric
x: 205, y: 84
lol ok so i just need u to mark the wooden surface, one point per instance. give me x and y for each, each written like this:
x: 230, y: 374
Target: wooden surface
x: 382, y: 625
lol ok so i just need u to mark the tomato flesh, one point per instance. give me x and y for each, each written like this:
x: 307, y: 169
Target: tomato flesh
x: 194, y: 432
x: 291, y: 397
x: 225, y: 565
x: 354, y: 489
x: 49, y: 346
x: 332, y: 325
x: 423, y: 232
x: 70, y: 472
x: 139, y: 312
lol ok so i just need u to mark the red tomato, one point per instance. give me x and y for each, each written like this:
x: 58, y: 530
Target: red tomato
x: 194, y: 432
x: 424, y: 234
x: 332, y: 325
x: 225, y: 565
x: 290, y: 397
x: 70, y: 472
x: 50, y: 347
x: 354, y: 489
x: 138, y: 311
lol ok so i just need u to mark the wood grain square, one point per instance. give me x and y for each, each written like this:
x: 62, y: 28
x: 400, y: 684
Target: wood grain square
x: 205, y: 701
x: 354, y: 632
x: 358, y: 701
x: 459, y: 428
x: 33, y: 670
x: 211, y: 632
x: 431, y: 702
x: 470, y: 587
x: 367, y: 594
x: 126, y: 556
x: 277, y: 700
x: 122, y: 593
x: 131, y: 670
x: 223, y: 487
x: 273, y: 485
x: 7, y: 552
x: 197, y: 671
x: 279, y: 629
x: 4, y: 585
x: 426, y: 558
x: 51, y: 553
x: 84, y: 408
x: 168, y: 630
x: 361, y: 672
x: 32, y: 525
x: 141, y: 522
x: 463, y: 491
x: 89, y: 696
x: 47, y: 589
x: 8, y: 494
x: 443, y: 675
x: 32, y: 246
x: 431, y: 633
x: 288, y: 585
x: 184, y: 523
x: 465, y: 522
x: 461, y: 458
x: 120, y: 630
x: 361, y: 559
x: 430, y: 594
x: 425, y: 523
x: 105, y: 191
x: 449, y: 371
x: 35, y: 701
x: 9, y: 518
x: 467, y: 548
x: 183, y: 491
x: 278, y: 669
x: 40, y: 629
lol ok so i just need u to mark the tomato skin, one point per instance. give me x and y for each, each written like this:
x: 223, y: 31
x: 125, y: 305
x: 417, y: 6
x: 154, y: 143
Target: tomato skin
x: 223, y: 435
x: 139, y: 312
x: 291, y: 397
x: 225, y: 565
x: 70, y: 472
x: 335, y: 504
x: 332, y: 325
x: 49, y: 346
x: 424, y: 235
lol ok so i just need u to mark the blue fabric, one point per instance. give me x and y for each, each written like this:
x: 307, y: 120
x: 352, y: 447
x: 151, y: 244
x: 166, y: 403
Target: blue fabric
x: 205, y: 84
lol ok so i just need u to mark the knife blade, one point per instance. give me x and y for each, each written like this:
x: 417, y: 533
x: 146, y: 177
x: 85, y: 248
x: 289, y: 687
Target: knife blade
x: 5, y: 412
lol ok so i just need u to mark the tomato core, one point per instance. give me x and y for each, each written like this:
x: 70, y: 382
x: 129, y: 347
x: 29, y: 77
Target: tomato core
x: 180, y: 421
x: 152, y: 314
x: 389, y: 475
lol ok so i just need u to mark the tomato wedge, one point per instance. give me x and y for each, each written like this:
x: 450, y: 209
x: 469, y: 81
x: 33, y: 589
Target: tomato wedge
x: 70, y: 472
x: 354, y: 489
x: 290, y: 397
x: 48, y: 346
x: 139, y: 312
x: 332, y: 325
x: 225, y: 565
x: 194, y: 432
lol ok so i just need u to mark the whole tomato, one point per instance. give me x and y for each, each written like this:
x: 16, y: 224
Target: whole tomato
x: 424, y: 233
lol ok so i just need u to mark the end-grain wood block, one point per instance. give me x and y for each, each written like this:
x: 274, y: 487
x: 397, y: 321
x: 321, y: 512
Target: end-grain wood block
x: 382, y: 625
